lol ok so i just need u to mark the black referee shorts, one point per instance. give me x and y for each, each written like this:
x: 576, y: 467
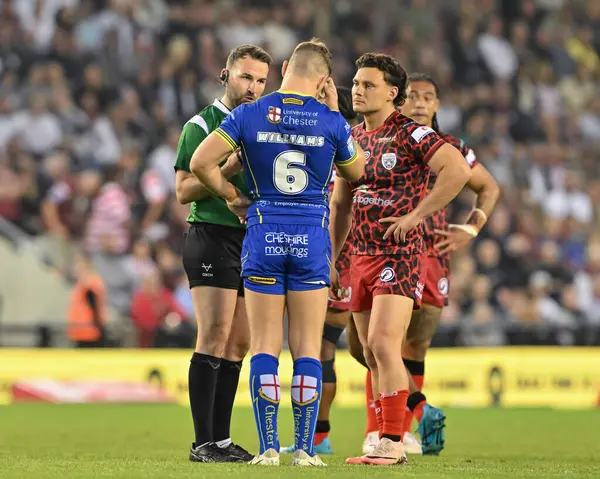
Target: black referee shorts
x: 211, y: 256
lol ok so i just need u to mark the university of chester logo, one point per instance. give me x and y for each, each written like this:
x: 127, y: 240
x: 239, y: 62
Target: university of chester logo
x: 274, y: 115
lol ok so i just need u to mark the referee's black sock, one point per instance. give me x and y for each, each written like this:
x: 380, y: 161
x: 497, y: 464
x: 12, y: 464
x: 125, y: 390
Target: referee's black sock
x: 227, y: 384
x: 202, y: 382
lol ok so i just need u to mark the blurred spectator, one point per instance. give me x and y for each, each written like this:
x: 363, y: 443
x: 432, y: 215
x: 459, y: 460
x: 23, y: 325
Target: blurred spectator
x: 498, y: 54
x: 581, y: 49
x: 148, y: 196
x: 65, y: 209
x: 578, y: 90
x: 169, y: 265
x: 10, y: 191
x: 37, y: 128
x: 175, y: 332
x: 482, y: 327
x: 151, y: 305
x: 589, y: 122
x: 547, y: 309
x: 183, y: 296
x: 88, y: 312
x: 139, y: 263
x: 110, y: 214
x: 162, y: 159
x: 569, y: 200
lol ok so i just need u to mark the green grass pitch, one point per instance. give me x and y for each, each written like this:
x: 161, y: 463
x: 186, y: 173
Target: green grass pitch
x: 130, y: 441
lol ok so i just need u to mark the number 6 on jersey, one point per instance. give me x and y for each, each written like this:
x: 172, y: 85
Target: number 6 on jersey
x: 287, y: 178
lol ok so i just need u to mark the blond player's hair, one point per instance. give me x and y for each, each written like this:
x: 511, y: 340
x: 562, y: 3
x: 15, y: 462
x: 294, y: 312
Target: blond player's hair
x: 311, y: 58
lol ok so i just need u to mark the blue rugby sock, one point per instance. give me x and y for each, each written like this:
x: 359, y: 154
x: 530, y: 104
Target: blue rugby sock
x: 265, y: 391
x: 306, y: 396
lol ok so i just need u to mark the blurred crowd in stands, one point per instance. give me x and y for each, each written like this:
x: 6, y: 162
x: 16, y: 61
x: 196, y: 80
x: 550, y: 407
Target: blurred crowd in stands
x: 93, y: 95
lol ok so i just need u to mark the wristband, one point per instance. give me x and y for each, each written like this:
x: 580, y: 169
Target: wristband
x: 477, y: 218
x: 470, y: 229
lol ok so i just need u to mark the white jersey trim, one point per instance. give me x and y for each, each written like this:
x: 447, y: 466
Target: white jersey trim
x: 201, y: 122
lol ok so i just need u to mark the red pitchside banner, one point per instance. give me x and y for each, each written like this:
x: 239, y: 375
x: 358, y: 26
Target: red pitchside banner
x: 53, y: 391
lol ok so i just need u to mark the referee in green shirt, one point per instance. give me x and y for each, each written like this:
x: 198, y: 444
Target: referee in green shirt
x: 211, y: 258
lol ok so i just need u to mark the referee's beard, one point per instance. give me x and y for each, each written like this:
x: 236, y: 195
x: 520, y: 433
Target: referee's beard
x: 235, y: 97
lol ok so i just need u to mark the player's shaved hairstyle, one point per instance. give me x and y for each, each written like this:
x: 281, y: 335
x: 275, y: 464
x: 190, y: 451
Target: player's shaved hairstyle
x: 394, y: 73
x: 247, y: 50
x: 311, y: 58
x: 425, y: 78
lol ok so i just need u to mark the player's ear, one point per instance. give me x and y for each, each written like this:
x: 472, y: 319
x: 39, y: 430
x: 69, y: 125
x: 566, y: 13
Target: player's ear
x: 321, y: 87
x: 284, y: 68
x: 224, y: 76
x: 394, y: 93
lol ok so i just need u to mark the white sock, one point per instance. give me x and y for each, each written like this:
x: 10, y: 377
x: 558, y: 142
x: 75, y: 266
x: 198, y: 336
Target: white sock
x: 224, y: 443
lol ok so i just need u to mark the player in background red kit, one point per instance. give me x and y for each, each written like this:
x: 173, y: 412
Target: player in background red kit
x: 388, y: 205
x: 338, y: 315
x: 421, y: 105
x: 441, y: 239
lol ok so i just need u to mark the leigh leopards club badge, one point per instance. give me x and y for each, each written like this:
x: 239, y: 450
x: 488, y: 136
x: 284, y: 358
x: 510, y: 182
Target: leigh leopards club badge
x: 388, y: 160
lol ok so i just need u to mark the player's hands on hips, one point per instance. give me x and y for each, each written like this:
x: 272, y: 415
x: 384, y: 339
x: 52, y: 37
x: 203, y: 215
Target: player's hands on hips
x: 239, y: 205
x: 233, y: 165
x: 331, y: 96
x: 454, y: 238
x: 399, y: 227
x: 337, y: 292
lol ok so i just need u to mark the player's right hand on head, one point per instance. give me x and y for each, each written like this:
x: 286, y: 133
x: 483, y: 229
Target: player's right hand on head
x: 331, y: 96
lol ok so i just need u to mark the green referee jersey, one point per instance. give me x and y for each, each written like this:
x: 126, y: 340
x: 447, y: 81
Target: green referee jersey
x: 211, y: 209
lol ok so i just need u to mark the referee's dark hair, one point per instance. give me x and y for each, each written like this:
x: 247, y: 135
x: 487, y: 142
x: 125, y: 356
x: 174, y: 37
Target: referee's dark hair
x: 345, y: 103
x: 247, y: 50
x: 425, y: 78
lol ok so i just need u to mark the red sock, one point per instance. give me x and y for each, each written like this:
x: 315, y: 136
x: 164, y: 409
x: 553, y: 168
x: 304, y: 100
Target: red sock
x: 319, y: 436
x: 393, y: 407
x: 371, y: 417
x: 408, y: 418
x: 419, y: 381
x: 418, y: 411
x: 379, y: 416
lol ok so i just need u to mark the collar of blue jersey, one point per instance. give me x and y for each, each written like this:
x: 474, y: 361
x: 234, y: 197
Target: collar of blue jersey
x: 221, y: 106
x: 289, y: 92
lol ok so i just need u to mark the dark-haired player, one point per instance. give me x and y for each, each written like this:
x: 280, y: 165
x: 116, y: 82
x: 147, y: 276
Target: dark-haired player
x: 421, y: 105
x: 388, y: 205
x: 211, y: 258
x: 338, y: 315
